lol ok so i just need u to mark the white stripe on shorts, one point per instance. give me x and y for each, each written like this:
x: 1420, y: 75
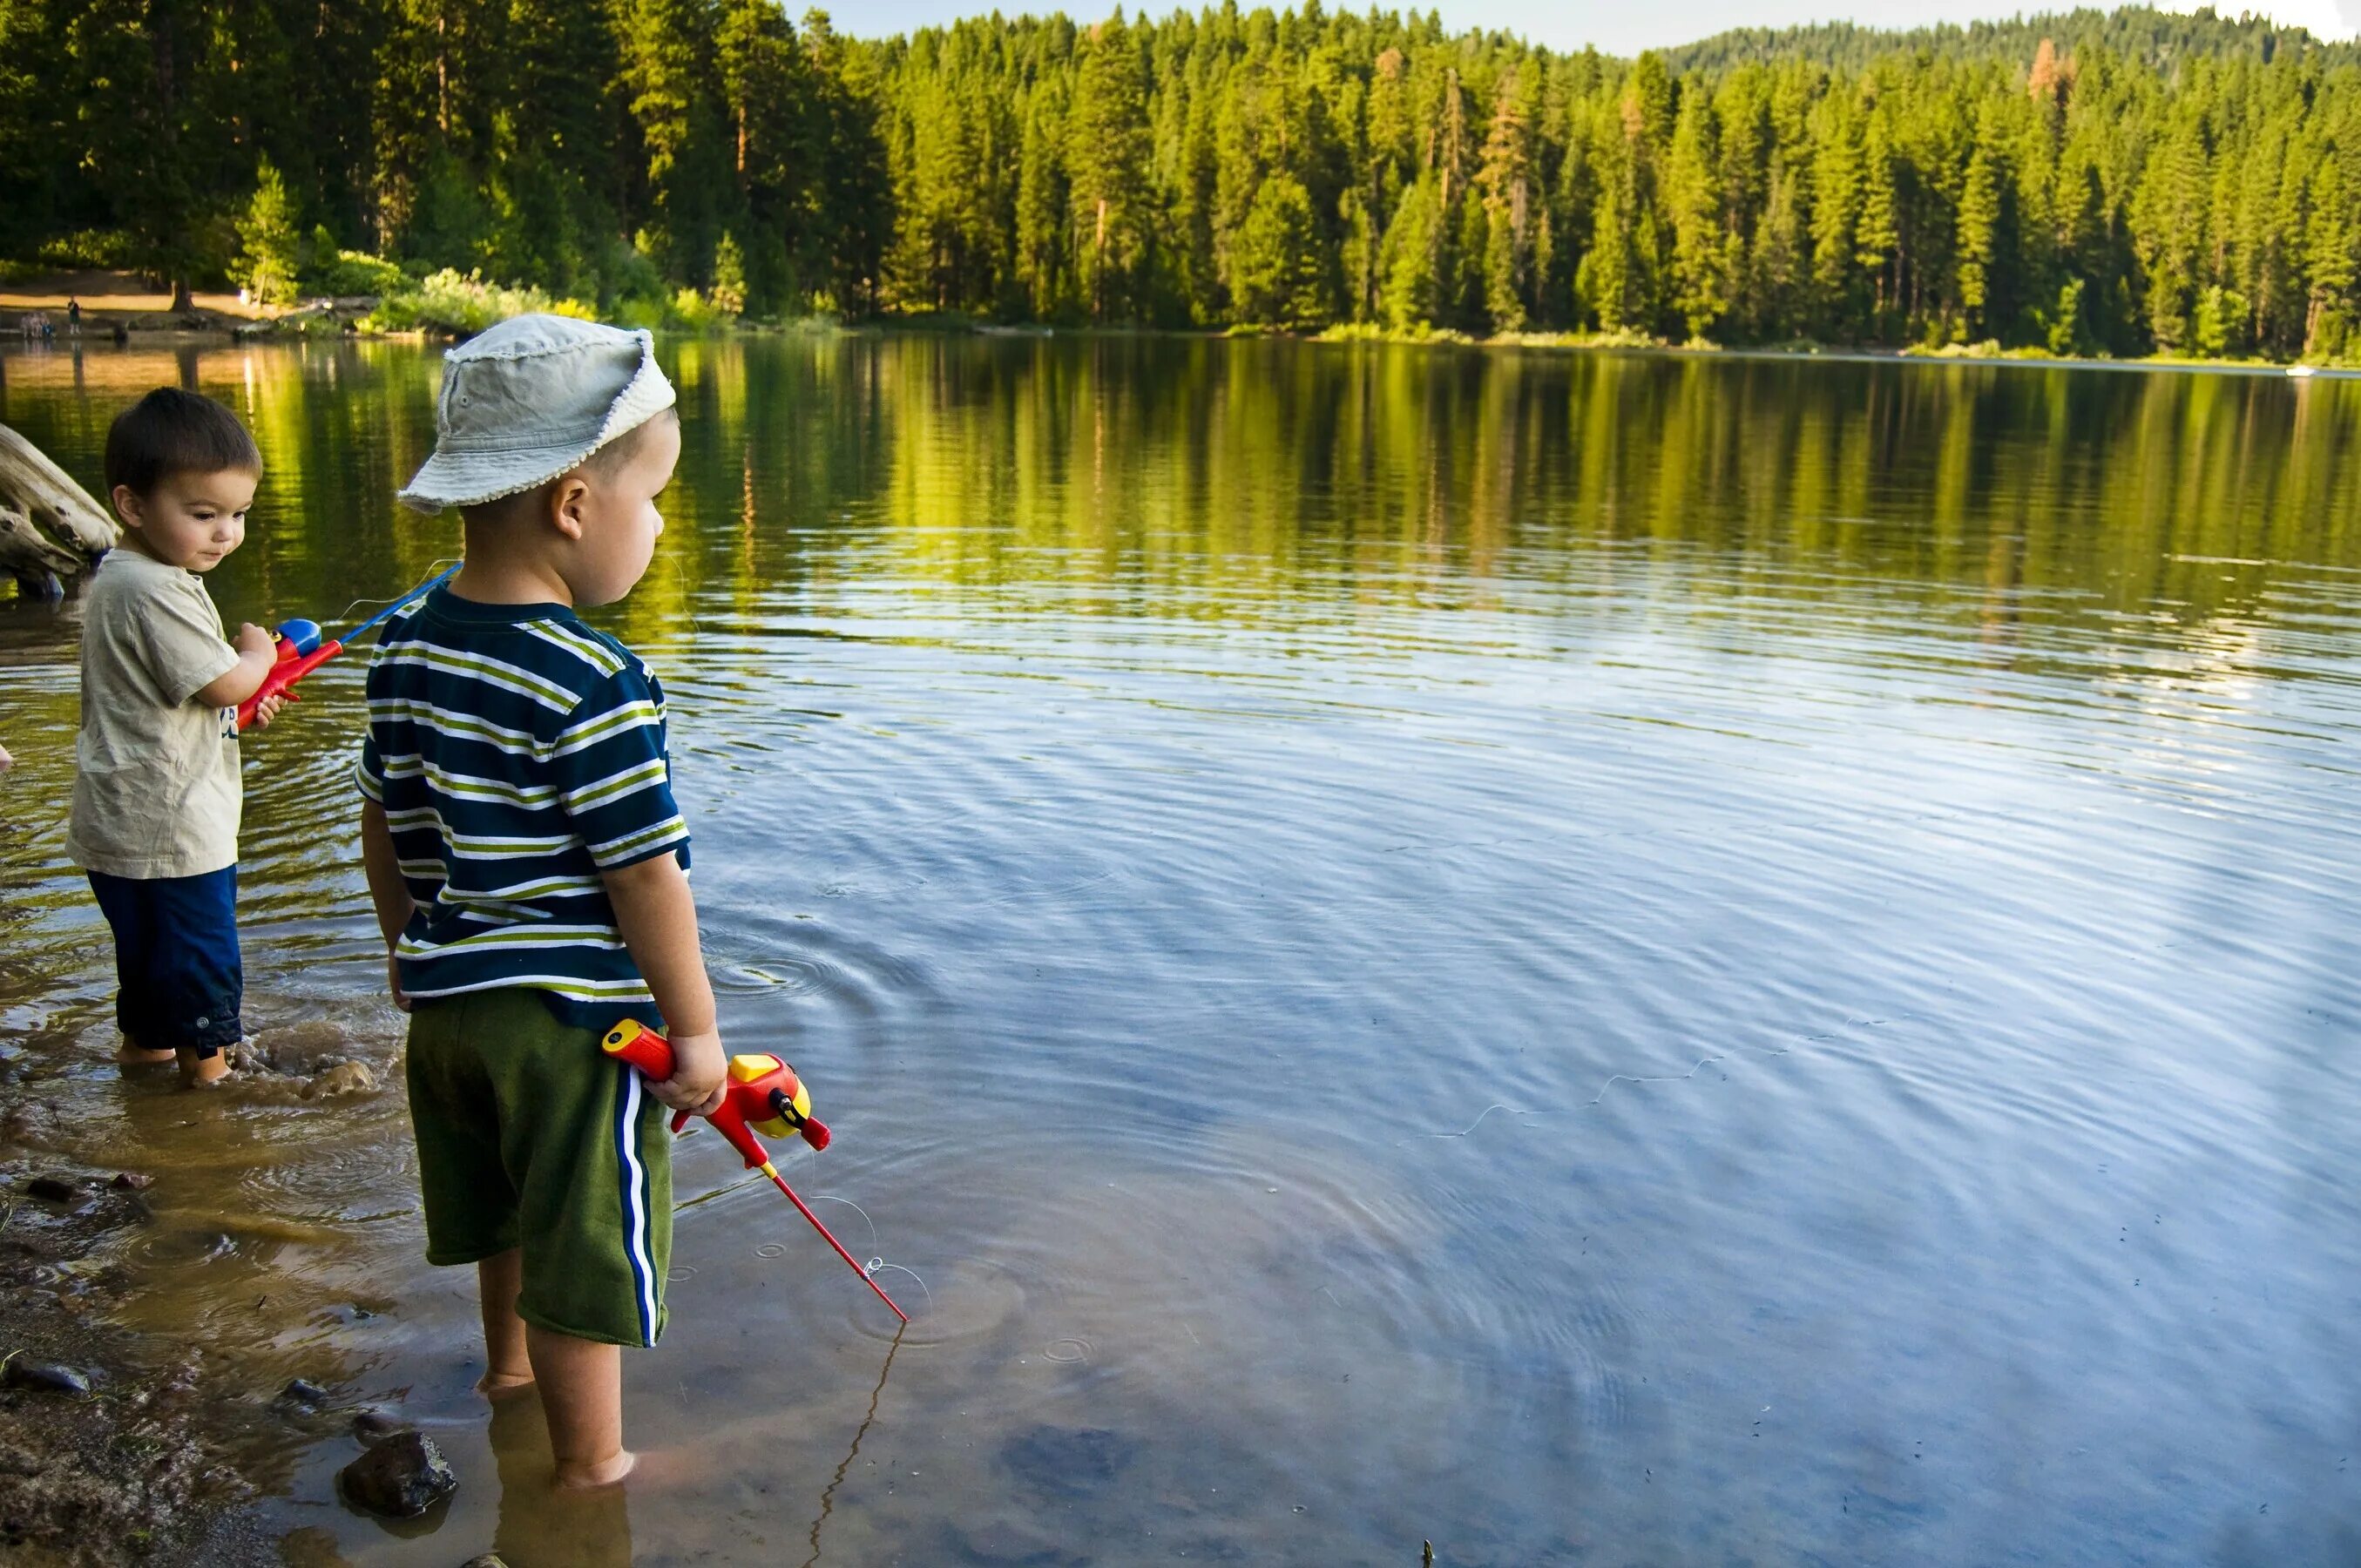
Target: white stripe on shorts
x: 635, y: 1200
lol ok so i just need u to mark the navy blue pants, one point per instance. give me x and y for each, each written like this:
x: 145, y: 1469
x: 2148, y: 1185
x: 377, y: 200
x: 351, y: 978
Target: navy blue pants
x: 177, y: 975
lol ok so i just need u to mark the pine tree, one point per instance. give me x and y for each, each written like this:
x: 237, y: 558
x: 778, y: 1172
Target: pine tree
x: 1275, y: 265
x: 1979, y: 233
x: 1107, y: 156
x: 270, y: 252
x: 1701, y: 282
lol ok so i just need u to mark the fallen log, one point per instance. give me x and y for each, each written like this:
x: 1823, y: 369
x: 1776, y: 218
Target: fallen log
x: 50, y: 528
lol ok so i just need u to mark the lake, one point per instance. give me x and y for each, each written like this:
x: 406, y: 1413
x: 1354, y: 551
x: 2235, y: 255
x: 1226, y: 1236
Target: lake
x: 1589, y: 958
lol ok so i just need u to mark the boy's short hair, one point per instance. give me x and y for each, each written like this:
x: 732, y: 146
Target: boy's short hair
x: 171, y: 432
x: 604, y: 461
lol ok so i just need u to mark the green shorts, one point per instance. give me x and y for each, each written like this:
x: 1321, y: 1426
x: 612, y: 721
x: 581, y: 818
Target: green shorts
x: 530, y: 1136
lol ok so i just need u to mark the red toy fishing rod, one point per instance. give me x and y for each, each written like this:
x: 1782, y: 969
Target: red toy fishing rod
x: 762, y: 1093
x: 302, y: 649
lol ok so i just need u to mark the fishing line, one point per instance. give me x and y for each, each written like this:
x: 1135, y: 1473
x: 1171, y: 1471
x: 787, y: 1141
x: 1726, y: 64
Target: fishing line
x: 875, y: 1265
x: 688, y: 607
x: 432, y: 567
x: 879, y: 1265
x: 772, y: 1251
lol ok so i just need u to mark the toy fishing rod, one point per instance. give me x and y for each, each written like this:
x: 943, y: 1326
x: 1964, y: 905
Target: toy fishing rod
x: 761, y: 1091
x: 302, y: 648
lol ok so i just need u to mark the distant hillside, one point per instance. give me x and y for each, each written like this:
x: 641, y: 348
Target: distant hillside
x: 2159, y: 39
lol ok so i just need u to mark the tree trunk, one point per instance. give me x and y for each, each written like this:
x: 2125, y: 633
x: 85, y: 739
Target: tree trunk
x: 49, y: 526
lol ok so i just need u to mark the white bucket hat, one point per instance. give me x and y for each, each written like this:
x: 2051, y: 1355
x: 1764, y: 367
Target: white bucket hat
x: 530, y: 399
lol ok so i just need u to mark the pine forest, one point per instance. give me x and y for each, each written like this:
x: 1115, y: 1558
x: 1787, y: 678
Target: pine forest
x: 2121, y: 183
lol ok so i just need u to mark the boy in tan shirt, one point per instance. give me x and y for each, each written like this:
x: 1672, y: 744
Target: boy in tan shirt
x: 157, y: 794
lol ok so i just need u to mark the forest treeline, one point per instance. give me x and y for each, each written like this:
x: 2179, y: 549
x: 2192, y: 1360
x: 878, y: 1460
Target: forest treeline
x: 2122, y: 182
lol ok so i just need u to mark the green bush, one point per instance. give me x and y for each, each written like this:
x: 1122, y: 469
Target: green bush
x: 691, y: 313
x: 349, y: 272
x: 102, y: 248
x: 463, y: 304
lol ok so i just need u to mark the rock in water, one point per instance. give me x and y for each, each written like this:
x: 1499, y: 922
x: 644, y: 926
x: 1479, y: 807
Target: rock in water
x: 340, y: 1078
x: 304, y: 1394
x: 46, y: 1378
x: 489, y: 1560
x: 56, y: 1188
x: 401, y: 1477
x: 373, y: 1427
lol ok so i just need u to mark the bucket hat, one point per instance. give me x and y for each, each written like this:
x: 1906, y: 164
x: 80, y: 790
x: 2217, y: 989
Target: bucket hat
x: 530, y: 399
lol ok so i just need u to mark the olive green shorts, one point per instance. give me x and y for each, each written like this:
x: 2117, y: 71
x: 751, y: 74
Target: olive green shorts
x: 530, y: 1137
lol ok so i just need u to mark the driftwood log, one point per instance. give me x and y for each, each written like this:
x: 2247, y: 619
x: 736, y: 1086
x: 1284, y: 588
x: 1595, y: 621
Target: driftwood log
x: 50, y: 528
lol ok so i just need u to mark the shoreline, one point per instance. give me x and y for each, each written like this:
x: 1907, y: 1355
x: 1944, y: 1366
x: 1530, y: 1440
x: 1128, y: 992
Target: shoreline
x: 195, y: 330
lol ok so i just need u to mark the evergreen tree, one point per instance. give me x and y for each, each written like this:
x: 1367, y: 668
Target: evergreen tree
x: 270, y: 251
x: 1107, y: 155
x: 1275, y: 264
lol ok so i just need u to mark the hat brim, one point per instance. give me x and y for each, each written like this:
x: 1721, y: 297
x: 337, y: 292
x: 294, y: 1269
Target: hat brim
x: 464, y: 478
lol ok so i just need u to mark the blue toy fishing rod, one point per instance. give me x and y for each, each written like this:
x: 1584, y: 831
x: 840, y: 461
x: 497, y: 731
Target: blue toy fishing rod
x: 302, y: 649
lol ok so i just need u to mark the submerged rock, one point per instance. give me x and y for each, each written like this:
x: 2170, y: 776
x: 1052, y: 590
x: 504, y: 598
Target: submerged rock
x: 302, y: 1393
x: 401, y: 1477
x: 340, y: 1078
x: 373, y: 1427
x: 45, y: 1377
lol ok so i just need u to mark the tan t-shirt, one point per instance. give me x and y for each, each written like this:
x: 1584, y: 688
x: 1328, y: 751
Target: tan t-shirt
x: 156, y: 785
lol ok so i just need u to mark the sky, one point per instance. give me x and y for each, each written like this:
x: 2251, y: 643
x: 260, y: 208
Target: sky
x: 1624, y: 28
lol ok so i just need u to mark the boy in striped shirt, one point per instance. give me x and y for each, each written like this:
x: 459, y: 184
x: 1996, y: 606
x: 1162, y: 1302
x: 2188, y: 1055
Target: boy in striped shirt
x: 528, y: 865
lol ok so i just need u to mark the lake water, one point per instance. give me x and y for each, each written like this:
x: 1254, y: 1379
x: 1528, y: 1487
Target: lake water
x: 1593, y: 959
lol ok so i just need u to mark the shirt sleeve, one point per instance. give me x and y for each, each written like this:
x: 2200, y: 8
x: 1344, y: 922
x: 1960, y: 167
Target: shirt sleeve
x: 368, y: 773
x: 180, y: 642
x: 612, y: 775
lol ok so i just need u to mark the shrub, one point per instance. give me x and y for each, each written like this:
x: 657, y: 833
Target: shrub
x: 103, y: 248
x: 343, y: 273
x: 463, y: 304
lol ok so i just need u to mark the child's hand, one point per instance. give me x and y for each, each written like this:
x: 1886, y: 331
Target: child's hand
x: 252, y: 638
x: 694, y: 1085
x: 268, y: 710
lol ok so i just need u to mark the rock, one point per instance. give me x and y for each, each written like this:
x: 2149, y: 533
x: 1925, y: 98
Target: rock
x: 304, y: 1394
x: 489, y: 1560
x: 132, y: 1181
x: 45, y: 1377
x: 401, y: 1477
x: 340, y: 1078
x: 373, y: 1427
x: 56, y: 1188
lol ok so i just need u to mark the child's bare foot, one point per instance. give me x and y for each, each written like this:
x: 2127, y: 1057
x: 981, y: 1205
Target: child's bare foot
x: 131, y: 1053
x: 492, y: 1385
x: 204, y: 1072
x: 584, y: 1477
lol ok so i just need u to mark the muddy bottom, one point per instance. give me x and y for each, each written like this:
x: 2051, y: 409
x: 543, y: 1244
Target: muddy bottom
x: 138, y: 1422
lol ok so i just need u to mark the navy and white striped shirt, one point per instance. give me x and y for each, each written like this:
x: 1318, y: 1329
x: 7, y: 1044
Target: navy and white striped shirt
x: 517, y: 753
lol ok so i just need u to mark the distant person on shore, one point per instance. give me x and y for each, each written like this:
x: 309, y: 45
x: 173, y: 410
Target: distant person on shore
x: 73, y: 316
x: 529, y: 868
x: 157, y: 794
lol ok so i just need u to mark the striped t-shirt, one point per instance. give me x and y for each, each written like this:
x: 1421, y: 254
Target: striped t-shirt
x: 518, y: 754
